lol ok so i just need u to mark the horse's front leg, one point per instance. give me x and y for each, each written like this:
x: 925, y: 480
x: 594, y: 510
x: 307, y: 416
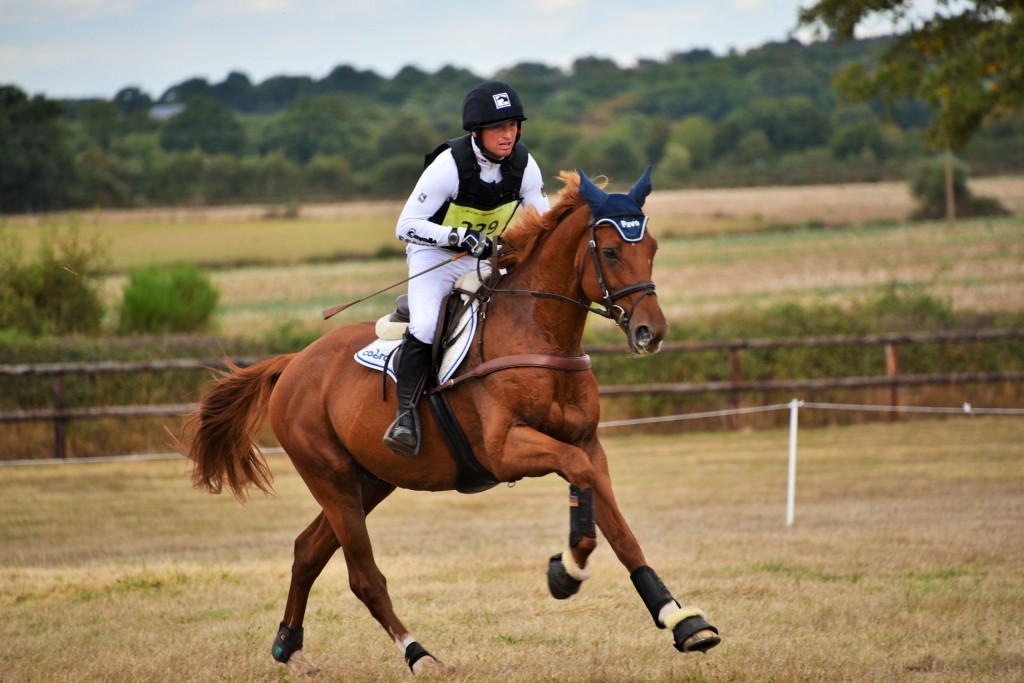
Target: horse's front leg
x: 690, y: 628
x: 526, y: 452
x: 568, y: 569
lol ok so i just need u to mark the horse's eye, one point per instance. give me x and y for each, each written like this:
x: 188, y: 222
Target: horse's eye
x: 609, y: 253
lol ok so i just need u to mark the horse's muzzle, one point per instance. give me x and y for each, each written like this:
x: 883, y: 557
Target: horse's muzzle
x: 643, y: 340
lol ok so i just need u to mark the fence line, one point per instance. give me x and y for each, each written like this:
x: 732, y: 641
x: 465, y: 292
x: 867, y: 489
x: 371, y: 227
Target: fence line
x: 793, y: 406
x: 60, y: 414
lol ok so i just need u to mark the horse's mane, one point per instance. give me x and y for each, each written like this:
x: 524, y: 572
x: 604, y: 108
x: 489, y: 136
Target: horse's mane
x: 521, y: 238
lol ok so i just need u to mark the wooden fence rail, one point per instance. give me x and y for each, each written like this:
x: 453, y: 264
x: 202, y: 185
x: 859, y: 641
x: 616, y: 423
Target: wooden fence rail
x: 61, y: 414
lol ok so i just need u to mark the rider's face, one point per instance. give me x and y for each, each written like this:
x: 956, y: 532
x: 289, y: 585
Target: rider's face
x: 499, y: 139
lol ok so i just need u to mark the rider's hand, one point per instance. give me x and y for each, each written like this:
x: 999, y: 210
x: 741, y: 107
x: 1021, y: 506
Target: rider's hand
x: 473, y: 242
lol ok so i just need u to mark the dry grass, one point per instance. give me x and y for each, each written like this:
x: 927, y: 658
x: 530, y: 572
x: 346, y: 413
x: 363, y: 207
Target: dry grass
x: 976, y: 265
x: 905, y: 564
x: 244, y: 234
x: 688, y: 212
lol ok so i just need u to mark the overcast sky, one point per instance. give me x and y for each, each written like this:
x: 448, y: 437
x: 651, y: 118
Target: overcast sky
x: 84, y: 48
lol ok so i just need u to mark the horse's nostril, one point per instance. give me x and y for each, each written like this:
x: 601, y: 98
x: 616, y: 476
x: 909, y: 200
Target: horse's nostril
x: 643, y: 335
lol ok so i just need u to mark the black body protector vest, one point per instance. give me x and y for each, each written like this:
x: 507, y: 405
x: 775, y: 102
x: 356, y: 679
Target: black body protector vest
x: 487, y: 207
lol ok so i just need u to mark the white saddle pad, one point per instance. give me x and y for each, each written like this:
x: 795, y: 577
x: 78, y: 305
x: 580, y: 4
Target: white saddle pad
x: 375, y: 354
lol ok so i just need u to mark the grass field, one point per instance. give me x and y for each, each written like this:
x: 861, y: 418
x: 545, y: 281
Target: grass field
x: 248, y: 234
x: 975, y: 265
x: 906, y: 563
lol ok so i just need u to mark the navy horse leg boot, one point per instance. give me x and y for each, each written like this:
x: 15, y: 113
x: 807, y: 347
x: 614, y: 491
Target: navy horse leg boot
x: 403, y: 437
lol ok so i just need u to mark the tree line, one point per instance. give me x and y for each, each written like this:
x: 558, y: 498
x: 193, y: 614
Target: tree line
x: 766, y: 116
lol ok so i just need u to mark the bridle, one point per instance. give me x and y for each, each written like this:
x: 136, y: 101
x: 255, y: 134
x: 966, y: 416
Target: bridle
x: 611, y: 310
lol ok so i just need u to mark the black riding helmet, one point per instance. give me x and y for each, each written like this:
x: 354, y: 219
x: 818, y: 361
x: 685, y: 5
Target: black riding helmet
x: 491, y: 103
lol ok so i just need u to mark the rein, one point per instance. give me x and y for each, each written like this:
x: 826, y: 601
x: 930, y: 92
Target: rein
x: 522, y: 360
x: 611, y: 310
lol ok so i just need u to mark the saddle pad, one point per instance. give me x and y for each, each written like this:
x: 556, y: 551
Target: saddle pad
x: 375, y: 354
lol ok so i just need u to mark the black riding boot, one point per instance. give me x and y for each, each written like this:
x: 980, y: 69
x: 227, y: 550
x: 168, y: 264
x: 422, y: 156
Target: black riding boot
x: 403, y: 437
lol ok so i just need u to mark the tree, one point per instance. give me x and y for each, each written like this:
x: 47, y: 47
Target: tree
x: 965, y: 60
x: 204, y: 124
x: 697, y: 135
x: 236, y: 92
x: 330, y: 124
x: 100, y: 122
x: 789, y: 124
x: 36, y: 160
x: 131, y: 100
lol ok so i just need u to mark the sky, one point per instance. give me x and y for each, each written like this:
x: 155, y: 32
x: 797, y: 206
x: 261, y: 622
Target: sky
x: 94, y: 48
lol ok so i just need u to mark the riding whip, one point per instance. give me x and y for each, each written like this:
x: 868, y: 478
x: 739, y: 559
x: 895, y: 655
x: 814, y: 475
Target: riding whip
x: 338, y: 309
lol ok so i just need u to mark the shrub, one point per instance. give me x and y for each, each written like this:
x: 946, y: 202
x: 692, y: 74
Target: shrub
x: 160, y: 300
x: 928, y: 186
x: 58, y: 292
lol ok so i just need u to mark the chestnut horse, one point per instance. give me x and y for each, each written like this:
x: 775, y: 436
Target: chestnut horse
x: 535, y: 414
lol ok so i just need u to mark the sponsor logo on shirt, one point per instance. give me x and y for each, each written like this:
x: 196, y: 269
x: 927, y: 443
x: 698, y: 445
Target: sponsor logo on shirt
x: 422, y: 198
x: 411, y: 236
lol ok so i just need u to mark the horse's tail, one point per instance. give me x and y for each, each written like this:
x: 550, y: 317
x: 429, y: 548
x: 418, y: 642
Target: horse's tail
x: 220, y: 436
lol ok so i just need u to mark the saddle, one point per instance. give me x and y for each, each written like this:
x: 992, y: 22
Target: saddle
x: 456, y: 327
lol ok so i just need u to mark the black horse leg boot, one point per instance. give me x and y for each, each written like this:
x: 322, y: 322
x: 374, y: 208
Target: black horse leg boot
x: 403, y: 437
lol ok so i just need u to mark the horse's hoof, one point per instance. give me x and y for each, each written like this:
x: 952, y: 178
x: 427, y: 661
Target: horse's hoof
x: 299, y: 665
x: 695, y: 634
x: 561, y: 585
x: 702, y: 641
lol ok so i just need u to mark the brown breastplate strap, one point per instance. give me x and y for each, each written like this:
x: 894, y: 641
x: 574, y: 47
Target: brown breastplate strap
x: 522, y: 360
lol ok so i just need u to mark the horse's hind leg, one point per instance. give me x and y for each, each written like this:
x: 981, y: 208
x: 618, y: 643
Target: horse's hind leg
x: 340, y: 497
x: 314, y: 547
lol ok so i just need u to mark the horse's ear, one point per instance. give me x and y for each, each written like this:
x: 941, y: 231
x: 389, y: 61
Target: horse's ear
x: 591, y: 193
x: 641, y: 188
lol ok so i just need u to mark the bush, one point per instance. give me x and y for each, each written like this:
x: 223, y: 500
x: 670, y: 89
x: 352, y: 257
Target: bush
x: 56, y: 294
x: 161, y: 300
x: 928, y: 186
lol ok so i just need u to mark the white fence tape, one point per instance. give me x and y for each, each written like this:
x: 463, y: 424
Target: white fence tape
x: 794, y: 421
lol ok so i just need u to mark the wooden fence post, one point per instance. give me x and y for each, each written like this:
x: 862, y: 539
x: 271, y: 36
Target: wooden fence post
x: 892, y: 372
x: 60, y: 420
x: 734, y: 377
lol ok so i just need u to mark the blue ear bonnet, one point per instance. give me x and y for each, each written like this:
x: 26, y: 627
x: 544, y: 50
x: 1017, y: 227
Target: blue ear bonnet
x: 624, y: 211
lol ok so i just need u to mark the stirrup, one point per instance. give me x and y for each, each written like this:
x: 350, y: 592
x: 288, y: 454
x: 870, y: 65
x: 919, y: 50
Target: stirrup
x: 402, y: 447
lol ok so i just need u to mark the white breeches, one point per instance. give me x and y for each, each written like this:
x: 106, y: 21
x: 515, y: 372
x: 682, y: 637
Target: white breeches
x: 428, y: 292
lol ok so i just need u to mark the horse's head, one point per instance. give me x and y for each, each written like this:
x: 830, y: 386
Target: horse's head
x: 620, y: 259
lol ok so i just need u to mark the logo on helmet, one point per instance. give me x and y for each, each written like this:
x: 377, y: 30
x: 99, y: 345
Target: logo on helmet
x: 502, y: 100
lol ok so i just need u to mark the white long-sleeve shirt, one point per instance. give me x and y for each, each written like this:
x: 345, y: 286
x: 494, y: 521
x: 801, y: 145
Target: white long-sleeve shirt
x: 439, y: 183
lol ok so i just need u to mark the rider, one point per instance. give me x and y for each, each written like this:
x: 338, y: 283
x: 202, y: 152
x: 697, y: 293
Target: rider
x: 465, y: 197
